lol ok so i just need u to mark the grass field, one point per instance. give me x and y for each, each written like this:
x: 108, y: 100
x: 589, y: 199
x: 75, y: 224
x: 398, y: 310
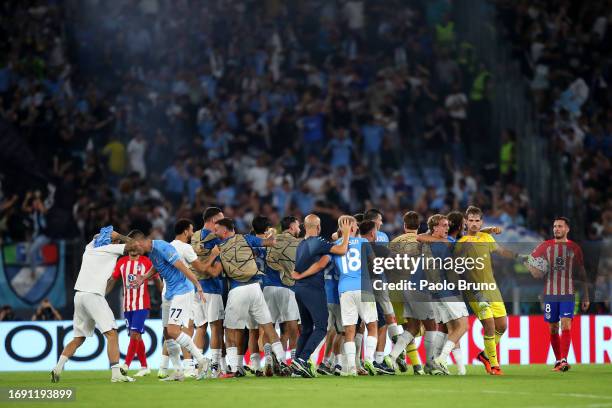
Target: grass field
x: 522, y: 386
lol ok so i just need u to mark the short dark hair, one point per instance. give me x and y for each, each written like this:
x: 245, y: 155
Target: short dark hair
x: 210, y: 212
x: 358, y: 217
x: 260, y: 224
x: 455, y: 221
x: 365, y: 227
x: 287, y: 221
x: 136, y: 234
x: 372, y: 213
x: 227, y: 223
x: 182, y: 225
x: 562, y: 218
x: 472, y: 210
x: 411, y: 220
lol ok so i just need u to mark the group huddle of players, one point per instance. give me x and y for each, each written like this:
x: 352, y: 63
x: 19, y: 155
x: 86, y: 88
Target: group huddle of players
x: 240, y: 286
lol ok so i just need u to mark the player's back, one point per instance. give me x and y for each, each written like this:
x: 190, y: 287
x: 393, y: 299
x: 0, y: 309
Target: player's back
x: 203, y: 241
x: 163, y: 256
x: 349, y: 264
x: 309, y: 251
x: 97, y: 267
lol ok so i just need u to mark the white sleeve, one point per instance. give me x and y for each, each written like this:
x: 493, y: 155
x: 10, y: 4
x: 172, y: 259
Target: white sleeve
x: 116, y: 249
x: 189, y: 254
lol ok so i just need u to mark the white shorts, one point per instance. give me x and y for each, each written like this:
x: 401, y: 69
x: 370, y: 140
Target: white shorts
x: 90, y: 311
x: 281, y: 304
x: 177, y: 310
x: 447, y: 311
x: 419, y: 306
x: 382, y: 298
x: 246, y: 307
x: 352, y: 308
x: 334, y: 321
x: 208, y: 312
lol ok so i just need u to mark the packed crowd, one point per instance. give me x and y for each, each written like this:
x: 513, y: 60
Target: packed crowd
x: 262, y: 109
x: 140, y: 112
x: 564, y: 49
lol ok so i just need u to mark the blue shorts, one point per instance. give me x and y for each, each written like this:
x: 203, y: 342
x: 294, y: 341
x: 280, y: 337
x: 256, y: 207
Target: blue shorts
x: 135, y: 320
x: 556, y: 309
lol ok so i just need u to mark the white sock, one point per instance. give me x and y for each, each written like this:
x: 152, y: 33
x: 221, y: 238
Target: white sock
x: 240, y: 359
x: 428, y: 339
x: 223, y: 362
x: 115, y: 371
x: 358, y: 341
x: 188, y: 363
x: 340, y: 360
x: 232, y: 358
x: 349, y: 352
x: 458, y: 354
x: 292, y: 353
x: 174, y: 352
x: 59, y: 367
x: 187, y: 343
x: 164, y: 362
x: 439, y: 342
x: 370, y: 348
x: 446, y: 350
x: 215, y: 355
x: 255, y: 361
x: 379, y: 356
x: 394, y: 329
x: 268, y: 353
x: 400, y: 344
x: 278, y: 350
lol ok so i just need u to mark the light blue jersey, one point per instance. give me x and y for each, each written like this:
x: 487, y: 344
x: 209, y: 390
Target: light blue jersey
x: 349, y: 264
x: 164, y: 256
x: 381, y: 237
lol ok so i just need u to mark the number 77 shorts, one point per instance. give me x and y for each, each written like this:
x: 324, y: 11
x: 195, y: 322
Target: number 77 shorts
x: 177, y: 310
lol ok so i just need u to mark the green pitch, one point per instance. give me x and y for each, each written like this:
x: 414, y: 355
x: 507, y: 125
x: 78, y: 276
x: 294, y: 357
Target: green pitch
x: 522, y: 386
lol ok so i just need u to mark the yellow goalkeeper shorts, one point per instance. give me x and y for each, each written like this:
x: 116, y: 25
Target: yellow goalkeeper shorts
x: 495, y: 310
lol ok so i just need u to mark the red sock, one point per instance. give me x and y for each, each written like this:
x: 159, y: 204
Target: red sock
x: 132, y: 348
x: 554, y: 342
x: 566, y: 339
x: 142, y: 354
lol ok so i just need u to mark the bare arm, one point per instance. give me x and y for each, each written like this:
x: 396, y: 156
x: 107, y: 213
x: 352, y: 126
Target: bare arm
x: 192, y: 278
x: 506, y: 253
x: 203, y: 266
x: 313, y: 269
x: 343, y: 247
x: 426, y: 238
x: 215, y: 270
x: 110, y: 285
x: 492, y: 230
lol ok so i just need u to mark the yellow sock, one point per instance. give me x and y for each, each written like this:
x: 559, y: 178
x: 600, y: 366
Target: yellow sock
x: 413, y: 354
x: 489, y: 343
x: 498, y: 336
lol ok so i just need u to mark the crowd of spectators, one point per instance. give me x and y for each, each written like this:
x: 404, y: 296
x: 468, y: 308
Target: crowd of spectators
x: 565, y: 51
x: 140, y: 111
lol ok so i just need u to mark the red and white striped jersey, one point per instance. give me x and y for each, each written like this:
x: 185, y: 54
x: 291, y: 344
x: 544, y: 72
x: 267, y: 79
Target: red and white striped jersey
x: 133, y: 298
x: 563, y: 258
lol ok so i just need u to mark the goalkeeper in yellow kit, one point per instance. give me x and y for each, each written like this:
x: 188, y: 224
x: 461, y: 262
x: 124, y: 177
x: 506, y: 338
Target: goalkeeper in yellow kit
x: 488, y: 304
